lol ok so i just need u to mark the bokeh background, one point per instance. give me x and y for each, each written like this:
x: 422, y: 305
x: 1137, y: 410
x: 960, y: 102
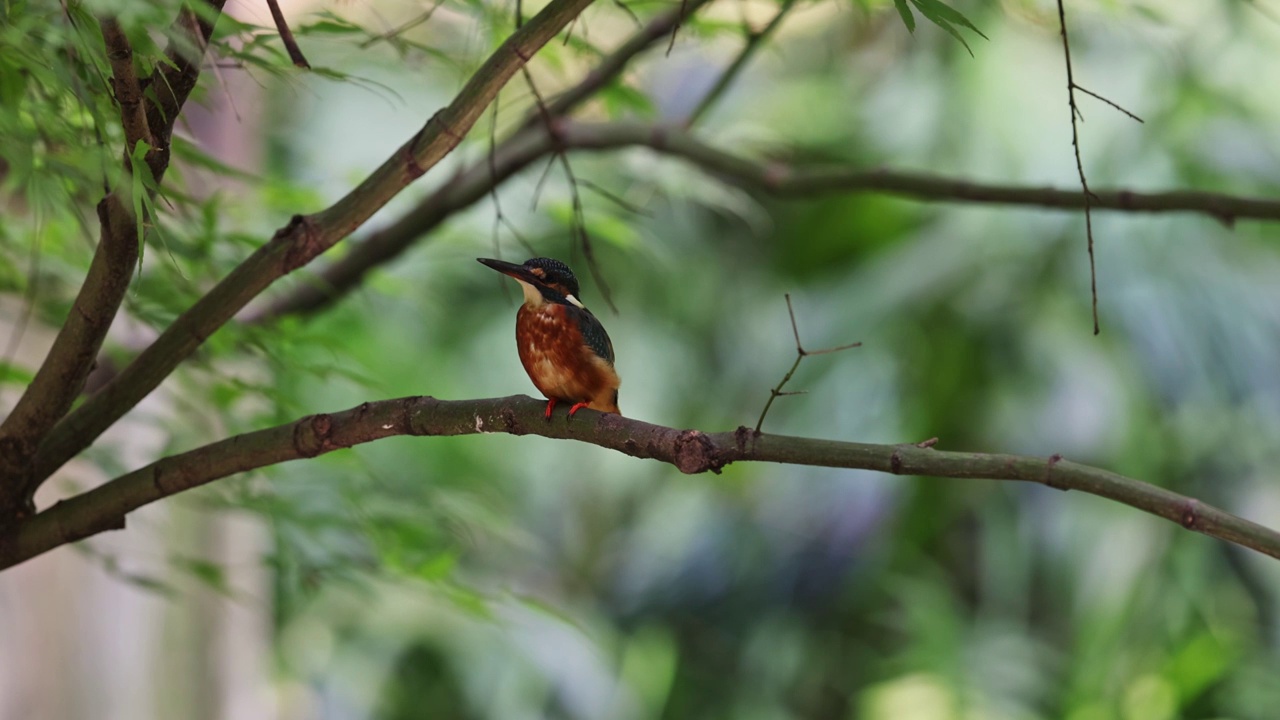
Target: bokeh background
x: 504, y: 577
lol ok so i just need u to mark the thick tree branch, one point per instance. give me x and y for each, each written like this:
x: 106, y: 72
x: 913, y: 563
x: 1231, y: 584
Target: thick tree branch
x: 536, y: 143
x: 62, y: 374
x: 691, y: 451
x: 300, y: 241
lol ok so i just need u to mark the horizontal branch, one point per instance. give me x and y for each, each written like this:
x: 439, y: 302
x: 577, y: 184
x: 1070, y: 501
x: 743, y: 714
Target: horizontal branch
x: 537, y: 142
x: 300, y: 241
x: 691, y: 451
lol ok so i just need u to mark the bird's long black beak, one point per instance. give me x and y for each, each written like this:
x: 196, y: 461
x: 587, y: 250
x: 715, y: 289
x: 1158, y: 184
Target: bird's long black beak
x: 518, y: 272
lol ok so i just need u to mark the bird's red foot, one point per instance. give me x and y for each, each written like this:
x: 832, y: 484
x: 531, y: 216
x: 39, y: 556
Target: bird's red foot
x: 550, y: 405
x: 576, y: 407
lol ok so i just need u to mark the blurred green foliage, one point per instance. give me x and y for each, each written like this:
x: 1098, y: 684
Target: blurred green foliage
x: 504, y: 577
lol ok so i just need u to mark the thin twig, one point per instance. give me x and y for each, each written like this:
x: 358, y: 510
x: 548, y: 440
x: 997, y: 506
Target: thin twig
x: 286, y: 36
x: 1075, y: 144
x: 675, y: 29
x: 579, y: 223
x: 409, y: 25
x: 755, y: 39
x: 1091, y: 93
x: 801, y: 354
x: 616, y: 199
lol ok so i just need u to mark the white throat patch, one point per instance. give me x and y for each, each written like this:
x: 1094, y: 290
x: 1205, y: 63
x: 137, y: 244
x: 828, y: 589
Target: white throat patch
x: 532, y: 297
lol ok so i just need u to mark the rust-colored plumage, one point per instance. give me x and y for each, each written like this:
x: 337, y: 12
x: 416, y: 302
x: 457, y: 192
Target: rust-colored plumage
x: 562, y: 346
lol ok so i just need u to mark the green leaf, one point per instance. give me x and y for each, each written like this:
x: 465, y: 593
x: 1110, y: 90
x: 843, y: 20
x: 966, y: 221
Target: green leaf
x: 905, y: 11
x: 941, y: 10
x: 12, y: 374
x: 945, y: 17
x: 142, y: 182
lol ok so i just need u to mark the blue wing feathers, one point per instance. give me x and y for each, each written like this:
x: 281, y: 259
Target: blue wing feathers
x: 593, y: 332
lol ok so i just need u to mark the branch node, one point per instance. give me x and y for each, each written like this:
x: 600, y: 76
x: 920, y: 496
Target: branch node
x: 509, y: 421
x: 304, y: 245
x: 411, y: 166
x: 895, y: 463
x: 1190, y: 514
x: 695, y: 453
x: 1049, y: 481
x: 311, y: 436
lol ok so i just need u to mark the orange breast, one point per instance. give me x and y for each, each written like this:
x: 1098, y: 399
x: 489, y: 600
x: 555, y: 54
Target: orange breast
x: 560, y: 364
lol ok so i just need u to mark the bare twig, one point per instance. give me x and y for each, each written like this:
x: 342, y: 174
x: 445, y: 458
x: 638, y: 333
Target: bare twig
x: 286, y: 36
x: 1084, y: 183
x: 675, y: 29
x: 1093, y: 94
x: 413, y: 23
x: 690, y: 451
x: 579, y: 222
x: 754, y: 39
x: 801, y: 354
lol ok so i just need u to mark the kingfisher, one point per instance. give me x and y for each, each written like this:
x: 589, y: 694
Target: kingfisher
x: 563, y: 347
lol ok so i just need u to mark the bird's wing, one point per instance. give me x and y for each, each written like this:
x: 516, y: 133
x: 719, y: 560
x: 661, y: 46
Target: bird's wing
x: 592, y: 332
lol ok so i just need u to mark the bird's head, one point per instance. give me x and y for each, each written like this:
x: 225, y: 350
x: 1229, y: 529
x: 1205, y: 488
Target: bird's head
x: 542, y: 279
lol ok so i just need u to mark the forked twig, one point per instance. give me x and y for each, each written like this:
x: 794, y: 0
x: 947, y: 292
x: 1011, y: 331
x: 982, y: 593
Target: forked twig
x: 1076, y: 115
x: 1075, y: 145
x: 1112, y: 103
x: 801, y: 354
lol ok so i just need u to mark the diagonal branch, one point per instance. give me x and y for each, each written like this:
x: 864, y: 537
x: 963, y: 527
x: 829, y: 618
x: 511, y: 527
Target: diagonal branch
x: 613, y: 65
x: 133, y: 116
x: 286, y: 36
x: 300, y: 241
x: 62, y: 374
x: 173, y: 79
x: 755, y: 38
x: 529, y: 146
x: 691, y: 451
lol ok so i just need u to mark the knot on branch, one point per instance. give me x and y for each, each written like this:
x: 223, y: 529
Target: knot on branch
x: 1190, y: 514
x: 304, y: 242
x: 695, y: 453
x: 1049, y: 478
x: 311, y: 436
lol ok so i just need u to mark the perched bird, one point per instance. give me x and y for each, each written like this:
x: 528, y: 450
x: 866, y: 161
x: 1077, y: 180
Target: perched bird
x: 563, y: 347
